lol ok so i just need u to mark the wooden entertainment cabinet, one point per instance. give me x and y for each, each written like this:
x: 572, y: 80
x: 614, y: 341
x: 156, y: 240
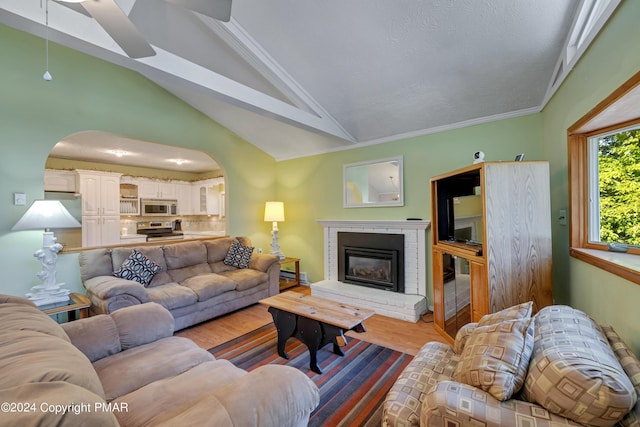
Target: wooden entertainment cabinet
x: 491, y: 241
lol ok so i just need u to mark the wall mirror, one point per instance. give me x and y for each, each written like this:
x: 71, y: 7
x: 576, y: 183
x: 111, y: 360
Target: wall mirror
x: 373, y: 183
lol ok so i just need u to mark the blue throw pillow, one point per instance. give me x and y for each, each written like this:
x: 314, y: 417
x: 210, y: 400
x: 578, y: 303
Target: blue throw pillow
x: 138, y: 267
x: 239, y: 255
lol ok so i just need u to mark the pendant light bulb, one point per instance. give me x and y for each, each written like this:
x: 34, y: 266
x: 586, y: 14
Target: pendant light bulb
x: 47, y: 76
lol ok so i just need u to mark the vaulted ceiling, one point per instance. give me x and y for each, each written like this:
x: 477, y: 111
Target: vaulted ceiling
x: 297, y: 78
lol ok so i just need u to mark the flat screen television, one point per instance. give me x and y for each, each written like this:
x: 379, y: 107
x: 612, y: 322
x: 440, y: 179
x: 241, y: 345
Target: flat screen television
x: 467, y: 219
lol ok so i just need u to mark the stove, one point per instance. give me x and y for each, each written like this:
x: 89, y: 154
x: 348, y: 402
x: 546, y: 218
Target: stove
x: 159, y: 230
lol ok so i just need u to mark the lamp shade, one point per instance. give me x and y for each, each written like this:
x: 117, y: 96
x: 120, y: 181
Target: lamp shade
x: 43, y: 214
x: 274, y: 212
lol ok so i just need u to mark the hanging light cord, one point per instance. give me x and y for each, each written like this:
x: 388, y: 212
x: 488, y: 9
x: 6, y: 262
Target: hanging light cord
x: 46, y: 75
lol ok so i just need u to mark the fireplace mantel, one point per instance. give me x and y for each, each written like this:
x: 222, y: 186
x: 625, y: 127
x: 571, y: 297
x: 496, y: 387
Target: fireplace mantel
x: 375, y: 223
x: 407, y: 306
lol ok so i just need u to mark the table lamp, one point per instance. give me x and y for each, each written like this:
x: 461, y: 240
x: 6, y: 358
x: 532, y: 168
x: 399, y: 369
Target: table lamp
x: 47, y: 214
x: 274, y: 213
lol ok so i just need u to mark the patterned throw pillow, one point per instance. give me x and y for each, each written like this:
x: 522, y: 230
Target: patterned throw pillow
x: 238, y: 255
x: 138, y: 267
x: 496, y: 357
x: 519, y: 311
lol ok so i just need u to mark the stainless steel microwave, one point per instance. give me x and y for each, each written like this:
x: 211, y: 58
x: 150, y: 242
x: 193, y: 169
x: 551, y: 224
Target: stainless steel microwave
x: 158, y: 207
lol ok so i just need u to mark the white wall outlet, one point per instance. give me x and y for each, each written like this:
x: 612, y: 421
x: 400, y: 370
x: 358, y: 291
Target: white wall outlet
x: 19, y: 199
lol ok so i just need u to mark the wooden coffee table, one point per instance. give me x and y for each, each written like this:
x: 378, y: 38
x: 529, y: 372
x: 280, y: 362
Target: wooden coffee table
x: 314, y: 321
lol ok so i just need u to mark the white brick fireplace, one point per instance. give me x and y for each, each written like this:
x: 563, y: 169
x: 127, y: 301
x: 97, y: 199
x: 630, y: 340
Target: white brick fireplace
x: 409, y: 305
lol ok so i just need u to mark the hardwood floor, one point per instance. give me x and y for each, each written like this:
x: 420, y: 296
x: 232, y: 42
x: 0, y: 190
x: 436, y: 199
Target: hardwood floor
x: 392, y: 333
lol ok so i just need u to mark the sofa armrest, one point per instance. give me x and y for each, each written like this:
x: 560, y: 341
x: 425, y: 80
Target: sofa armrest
x: 141, y: 324
x: 262, y: 262
x: 109, y: 293
x: 96, y: 336
x: 451, y: 402
x: 277, y: 396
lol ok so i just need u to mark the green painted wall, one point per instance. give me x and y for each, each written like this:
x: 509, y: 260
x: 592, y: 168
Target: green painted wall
x: 90, y: 94
x: 311, y: 187
x: 611, y: 60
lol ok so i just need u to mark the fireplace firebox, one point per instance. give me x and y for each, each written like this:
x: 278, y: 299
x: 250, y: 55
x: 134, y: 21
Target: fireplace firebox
x: 374, y: 260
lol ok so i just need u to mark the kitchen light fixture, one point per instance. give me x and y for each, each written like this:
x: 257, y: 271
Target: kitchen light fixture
x: 179, y: 162
x: 47, y: 214
x: 118, y: 153
x: 274, y: 212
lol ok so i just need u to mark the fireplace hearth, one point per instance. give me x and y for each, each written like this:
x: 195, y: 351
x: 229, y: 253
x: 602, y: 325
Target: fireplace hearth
x: 408, y: 305
x: 372, y: 259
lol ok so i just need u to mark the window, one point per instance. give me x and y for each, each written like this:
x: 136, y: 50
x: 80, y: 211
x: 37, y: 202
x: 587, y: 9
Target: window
x: 614, y: 187
x: 604, y: 183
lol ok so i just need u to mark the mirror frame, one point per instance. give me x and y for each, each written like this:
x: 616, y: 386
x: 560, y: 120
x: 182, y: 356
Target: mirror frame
x: 345, y: 186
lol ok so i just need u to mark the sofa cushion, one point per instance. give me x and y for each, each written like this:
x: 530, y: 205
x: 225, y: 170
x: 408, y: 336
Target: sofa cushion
x: 573, y: 371
x: 142, y: 324
x: 172, y: 295
x: 175, y: 393
x: 181, y: 274
x: 217, y: 249
x: 97, y: 262
x: 496, y: 356
x: 434, y: 362
x: 239, y: 255
x: 48, y: 398
x: 31, y: 356
x: 185, y: 254
x: 138, y: 267
x: 245, y: 278
x: 519, y: 311
x: 154, y: 253
x: 26, y: 317
x: 209, y: 285
x: 129, y: 370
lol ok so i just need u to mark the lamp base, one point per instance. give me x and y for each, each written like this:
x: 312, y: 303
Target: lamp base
x: 40, y: 295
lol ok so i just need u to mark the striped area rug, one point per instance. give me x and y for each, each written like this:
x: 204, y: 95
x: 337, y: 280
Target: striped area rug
x: 352, y: 388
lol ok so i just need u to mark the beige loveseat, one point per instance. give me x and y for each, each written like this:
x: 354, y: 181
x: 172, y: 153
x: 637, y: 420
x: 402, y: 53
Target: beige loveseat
x: 193, y: 283
x: 128, y: 369
x: 564, y: 370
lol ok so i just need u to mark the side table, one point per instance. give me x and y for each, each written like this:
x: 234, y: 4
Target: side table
x: 78, y: 303
x: 288, y: 283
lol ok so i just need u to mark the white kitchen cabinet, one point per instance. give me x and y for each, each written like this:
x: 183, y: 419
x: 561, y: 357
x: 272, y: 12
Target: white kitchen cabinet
x: 100, y: 230
x: 183, y: 196
x: 206, y: 196
x: 60, y: 180
x: 100, y: 193
x: 156, y: 189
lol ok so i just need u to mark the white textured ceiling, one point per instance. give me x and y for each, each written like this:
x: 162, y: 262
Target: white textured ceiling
x: 297, y: 77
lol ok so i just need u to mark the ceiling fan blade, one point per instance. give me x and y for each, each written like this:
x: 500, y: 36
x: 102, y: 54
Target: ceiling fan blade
x: 217, y: 9
x: 117, y: 24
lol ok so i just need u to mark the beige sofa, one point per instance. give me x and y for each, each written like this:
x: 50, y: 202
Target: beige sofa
x: 567, y: 370
x: 128, y: 369
x: 193, y: 283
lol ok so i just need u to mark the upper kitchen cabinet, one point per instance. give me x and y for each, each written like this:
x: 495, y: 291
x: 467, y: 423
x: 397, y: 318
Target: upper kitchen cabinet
x: 100, y: 192
x: 206, y: 197
x: 183, y: 196
x: 60, y: 180
x: 156, y: 189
